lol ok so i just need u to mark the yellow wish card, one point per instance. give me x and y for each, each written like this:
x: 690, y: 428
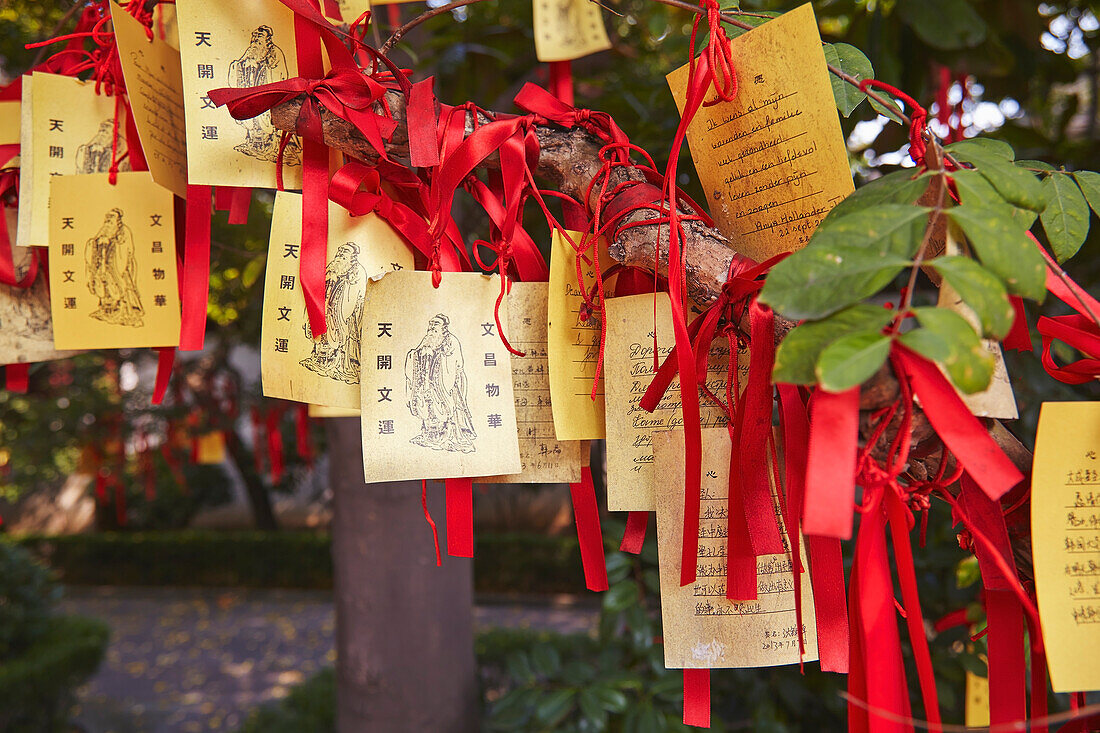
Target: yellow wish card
x: 67, y: 129
x: 112, y: 263
x: 437, y: 399
x: 702, y: 628
x: 154, y: 86
x: 773, y: 161
x: 573, y: 341
x: 246, y: 43
x: 568, y: 29
x: 322, y: 411
x: 350, y: 10
x: 977, y: 701
x: 628, y: 369
x: 210, y: 448
x: 11, y: 119
x: 543, y: 458
x: 323, y: 371
x: 1065, y: 540
x: 26, y: 329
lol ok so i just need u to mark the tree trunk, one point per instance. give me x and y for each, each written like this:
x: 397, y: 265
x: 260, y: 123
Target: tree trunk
x: 258, y: 497
x: 404, y: 627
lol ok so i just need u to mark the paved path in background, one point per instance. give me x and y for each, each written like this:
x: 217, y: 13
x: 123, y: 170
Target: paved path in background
x: 191, y: 660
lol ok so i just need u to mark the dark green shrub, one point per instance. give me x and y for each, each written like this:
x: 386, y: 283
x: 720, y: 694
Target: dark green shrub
x: 311, y: 706
x: 26, y: 594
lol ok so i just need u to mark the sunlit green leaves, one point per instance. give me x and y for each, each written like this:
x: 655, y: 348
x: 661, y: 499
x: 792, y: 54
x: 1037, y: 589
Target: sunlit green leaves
x: 846, y: 262
x: 945, y: 337
x: 975, y: 189
x: 797, y: 355
x: 1004, y: 249
x: 1018, y: 186
x: 852, y: 61
x: 1066, y: 216
x: 899, y: 187
x: 851, y: 360
x: 981, y: 290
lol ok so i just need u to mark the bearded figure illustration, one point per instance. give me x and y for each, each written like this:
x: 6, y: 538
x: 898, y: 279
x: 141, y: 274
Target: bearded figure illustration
x: 95, y: 155
x: 262, y: 63
x: 435, y: 390
x: 111, y: 266
x: 336, y: 353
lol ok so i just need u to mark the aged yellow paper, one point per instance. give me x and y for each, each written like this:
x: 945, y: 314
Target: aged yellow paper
x: 67, y: 129
x: 977, y: 701
x: 210, y: 448
x: 10, y: 121
x: 437, y: 399
x: 573, y: 343
x: 998, y: 400
x: 293, y: 365
x: 245, y: 43
x: 154, y: 86
x: 544, y: 459
x: 628, y: 366
x: 702, y: 629
x: 568, y: 29
x: 26, y: 329
x: 1065, y: 540
x: 323, y: 411
x: 350, y: 10
x: 772, y: 161
x: 112, y: 263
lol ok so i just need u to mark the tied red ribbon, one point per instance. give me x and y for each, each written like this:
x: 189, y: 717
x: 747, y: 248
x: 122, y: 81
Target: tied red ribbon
x: 589, y: 535
x: 460, y: 517
x: 697, y: 697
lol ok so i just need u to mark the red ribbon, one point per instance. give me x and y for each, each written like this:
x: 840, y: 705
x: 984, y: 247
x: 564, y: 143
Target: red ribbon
x: 561, y: 81
x: 460, y: 517
x: 234, y: 199
x: 1018, y: 337
x: 16, y: 377
x: 831, y: 464
x: 956, y: 426
x: 275, y: 444
x: 195, y: 288
x: 589, y: 535
x: 634, y: 536
x: 301, y: 425
x: 166, y: 359
x: 697, y: 697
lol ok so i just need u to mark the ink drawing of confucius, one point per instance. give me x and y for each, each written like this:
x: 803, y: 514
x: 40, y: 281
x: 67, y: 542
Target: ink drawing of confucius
x: 336, y: 354
x: 262, y: 63
x: 435, y: 390
x: 111, y: 266
x: 95, y: 156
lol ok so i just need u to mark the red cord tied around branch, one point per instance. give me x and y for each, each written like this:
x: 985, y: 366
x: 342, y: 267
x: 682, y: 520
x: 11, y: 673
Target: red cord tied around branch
x: 918, y: 118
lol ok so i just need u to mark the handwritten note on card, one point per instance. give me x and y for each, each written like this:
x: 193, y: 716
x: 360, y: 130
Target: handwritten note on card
x: 544, y: 458
x: 702, y: 629
x: 1065, y: 540
x: 573, y: 344
x: 773, y: 161
x: 154, y: 84
x: 629, y: 370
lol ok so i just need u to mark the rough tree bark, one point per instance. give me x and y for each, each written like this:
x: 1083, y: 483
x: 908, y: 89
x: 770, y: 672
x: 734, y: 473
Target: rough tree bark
x: 404, y: 627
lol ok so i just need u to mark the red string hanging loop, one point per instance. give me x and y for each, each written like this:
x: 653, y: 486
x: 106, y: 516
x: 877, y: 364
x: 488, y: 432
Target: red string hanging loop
x: 918, y: 117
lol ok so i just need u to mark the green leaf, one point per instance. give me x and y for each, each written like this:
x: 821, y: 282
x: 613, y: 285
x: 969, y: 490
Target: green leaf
x: 252, y: 270
x: 892, y: 112
x: 851, y: 360
x: 798, y: 352
x: 546, y: 659
x: 981, y: 145
x: 1016, y: 185
x: 967, y: 572
x: 1039, y: 164
x: 593, y: 712
x: 850, y: 60
x: 552, y: 708
x: 948, y: 339
x: 974, y: 188
x: 944, y: 24
x: 620, y: 597
x: 1090, y: 187
x: 848, y: 261
x: 1066, y: 216
x: 1004, y: 249
x: 899, y: 187
x: 519, y: 667
x: 612, y: 700
x: 981, y: 290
